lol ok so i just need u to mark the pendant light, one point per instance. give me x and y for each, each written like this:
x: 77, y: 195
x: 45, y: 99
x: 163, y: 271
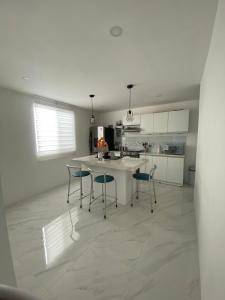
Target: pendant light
x: 92, y: 118
x: 130, y: 115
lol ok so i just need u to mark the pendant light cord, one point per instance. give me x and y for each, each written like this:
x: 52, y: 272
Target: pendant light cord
x: 92, y: 108
x: 92, y: 104
x: 92, y: 119
x: 130, y: 100
x: 130, y: 86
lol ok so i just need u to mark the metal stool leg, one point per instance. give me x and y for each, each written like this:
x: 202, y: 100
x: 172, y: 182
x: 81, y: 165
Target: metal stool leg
x: 81, y: 192
x: 150, y: 197
x: 115, y: 191
x: 153, y: 182
x: 132, y: 199
x: 91, y: 193
x: 105, y: 199
x: 68, y: 194
x: 92, y: 187
x: 137, y: 195
x: 103, y: 192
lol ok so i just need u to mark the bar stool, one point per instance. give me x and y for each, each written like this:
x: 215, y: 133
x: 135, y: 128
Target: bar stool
x: 77, y: 172
x: 145, y: 177
x: 103, y: 179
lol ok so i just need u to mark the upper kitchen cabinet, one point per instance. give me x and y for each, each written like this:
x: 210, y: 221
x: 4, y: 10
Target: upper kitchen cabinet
x: 160, y: 121
x: 178, y: 121
x: 136, y: 120
x: 147, y: 123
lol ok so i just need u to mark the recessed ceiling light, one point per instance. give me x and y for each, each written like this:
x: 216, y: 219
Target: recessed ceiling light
x: 116, y: 31
x: 25, y: 78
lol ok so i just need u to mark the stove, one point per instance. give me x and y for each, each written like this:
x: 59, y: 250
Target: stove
x: 131, y: 153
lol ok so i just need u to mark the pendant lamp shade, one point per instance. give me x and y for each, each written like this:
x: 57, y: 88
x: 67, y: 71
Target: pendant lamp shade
x: 92, y: 117
x: 130, y: 115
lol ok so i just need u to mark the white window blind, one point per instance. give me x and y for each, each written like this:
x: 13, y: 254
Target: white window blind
x: 54, y: 130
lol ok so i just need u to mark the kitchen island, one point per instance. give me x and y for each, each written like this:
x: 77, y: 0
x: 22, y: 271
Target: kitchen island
x: 122, y: 170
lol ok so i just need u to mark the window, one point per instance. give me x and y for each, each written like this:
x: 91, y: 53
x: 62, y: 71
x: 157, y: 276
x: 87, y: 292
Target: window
x: 54, y: 130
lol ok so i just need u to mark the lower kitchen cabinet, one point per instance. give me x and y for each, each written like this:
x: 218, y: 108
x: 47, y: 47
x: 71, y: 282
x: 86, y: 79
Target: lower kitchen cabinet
x: 161, y: 167
x: 169, y: 169
x: 175, y: 170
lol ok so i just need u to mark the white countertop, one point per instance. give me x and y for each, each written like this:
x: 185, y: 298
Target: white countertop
x: 162, y: 154
x: 123, y: 164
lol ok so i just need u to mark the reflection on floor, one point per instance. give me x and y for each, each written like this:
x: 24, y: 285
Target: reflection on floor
x: 59, y: 234
x: 131, y: 255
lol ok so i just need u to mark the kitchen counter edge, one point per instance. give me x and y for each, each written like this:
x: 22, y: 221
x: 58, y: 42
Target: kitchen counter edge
x: 162, y: 155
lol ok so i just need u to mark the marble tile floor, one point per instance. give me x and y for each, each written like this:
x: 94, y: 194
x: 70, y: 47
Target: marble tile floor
x: 72, y: 254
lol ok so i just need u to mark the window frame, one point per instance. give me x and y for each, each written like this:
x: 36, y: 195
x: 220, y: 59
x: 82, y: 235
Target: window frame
x: 59, y: 154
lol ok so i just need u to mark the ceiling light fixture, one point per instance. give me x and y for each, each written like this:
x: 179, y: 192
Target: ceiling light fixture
x: 130, y: 114
x: 25, y: 78
x: 92, y: 118
x: 116, y: 31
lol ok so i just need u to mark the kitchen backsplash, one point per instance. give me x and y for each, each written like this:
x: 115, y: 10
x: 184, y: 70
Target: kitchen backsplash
x: 134, y: 142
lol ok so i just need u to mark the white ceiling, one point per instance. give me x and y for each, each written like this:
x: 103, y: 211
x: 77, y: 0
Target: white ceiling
x: 66, y: 49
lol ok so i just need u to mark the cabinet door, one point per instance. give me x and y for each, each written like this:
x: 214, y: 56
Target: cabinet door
x: 136, y: 120
x: 161, y: 167
x: 160, y: 122
x: 146, y: 123
x: 147, y: 167
x: 178, y: 121
x: 175, y: 170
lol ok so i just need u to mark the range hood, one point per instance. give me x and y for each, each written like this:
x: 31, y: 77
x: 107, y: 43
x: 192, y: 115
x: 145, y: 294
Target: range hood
x: 132, y: 128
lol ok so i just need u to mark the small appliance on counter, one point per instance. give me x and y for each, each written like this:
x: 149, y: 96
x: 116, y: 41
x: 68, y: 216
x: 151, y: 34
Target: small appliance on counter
x: 155, y: 149
x: 106, y: 156
x: 113, y: 155
x: 172, y: 149
x: 147, y: 147
x: 132, y: 153
x: 116, y: 154
x: 109, y: 155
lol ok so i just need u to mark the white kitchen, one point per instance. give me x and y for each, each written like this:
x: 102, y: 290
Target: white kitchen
x: 161, y: 129
x: 111, y: 138
x: 150, y: 139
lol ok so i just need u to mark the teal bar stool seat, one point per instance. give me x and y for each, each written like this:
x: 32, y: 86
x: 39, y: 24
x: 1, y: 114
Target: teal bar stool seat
x: 145, y: 177
x: 142, y: 176
x: 78, y: 173
x: 103, y: 179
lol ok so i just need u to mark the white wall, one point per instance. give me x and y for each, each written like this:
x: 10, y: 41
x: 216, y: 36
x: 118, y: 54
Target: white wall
x: 110, y: 118
x: 7, y: 275
x: 210, y: 177
x: 22, y: 174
